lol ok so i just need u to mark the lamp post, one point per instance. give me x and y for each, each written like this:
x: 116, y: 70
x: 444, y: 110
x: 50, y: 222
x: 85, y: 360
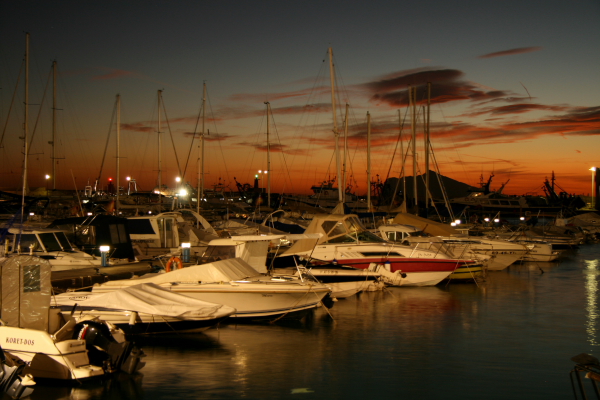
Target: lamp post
x: 104, y: 255
x: 593, y: 203
x: 47, y: 177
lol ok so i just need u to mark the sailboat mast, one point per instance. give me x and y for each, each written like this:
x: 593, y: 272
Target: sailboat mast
x: 335, y: 126
x: 413, y: 101
x: 159, y: 152
x: 25, y: 127
x: 201, y: 149
x: 118, y: 152
x: 345, y: 163
x: 368, y: 161
x: 54, y: 126
x: 427, y: 147
x: 268, y: 156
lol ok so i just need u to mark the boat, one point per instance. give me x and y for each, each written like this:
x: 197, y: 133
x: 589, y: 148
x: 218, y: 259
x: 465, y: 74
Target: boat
x: 162, y: 234
x: 52, y: 347
x: 144, y: 309
x: 345, y: 241
x: 343, y: 281
x: 233, y: 282
x: 53, y: 246
x: 488, y: 201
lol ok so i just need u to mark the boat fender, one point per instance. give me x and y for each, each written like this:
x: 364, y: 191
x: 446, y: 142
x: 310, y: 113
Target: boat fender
x: 174, y: 260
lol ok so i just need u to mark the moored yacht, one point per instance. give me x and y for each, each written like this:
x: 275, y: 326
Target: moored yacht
x: 346, y: 242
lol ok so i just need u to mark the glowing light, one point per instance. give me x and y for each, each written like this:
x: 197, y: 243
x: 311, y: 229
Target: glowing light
x: 178, y: 179
x: 496, y: 220
x: 128, y: 178
x: 183, y: 192
x: 104, y: 249
x: 47, y: 176
x: 186, y: 245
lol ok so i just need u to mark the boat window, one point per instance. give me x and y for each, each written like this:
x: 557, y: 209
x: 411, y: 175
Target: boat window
x: 368, y: 237
x: 140, y: 227
x: 117, y: 233
x: 221, y: 252
x: 64, y: 242
x: 354, y: 225
x: 31, y: 278
x: 26, y: 240
x: 333, y: 228
x: 381, y: 254
x: 50, y: 242
x: 342, y: 239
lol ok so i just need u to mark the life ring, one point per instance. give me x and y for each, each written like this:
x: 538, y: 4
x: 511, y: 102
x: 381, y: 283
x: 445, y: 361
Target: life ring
x: 172, y: 260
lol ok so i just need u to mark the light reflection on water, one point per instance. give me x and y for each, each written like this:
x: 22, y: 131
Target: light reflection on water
x: 510, y: 337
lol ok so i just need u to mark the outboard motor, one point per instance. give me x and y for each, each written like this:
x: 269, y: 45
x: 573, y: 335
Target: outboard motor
x: 12, y: 381
x: 106, y: 345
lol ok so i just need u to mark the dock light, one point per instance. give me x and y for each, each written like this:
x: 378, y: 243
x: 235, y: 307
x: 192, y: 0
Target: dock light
x: 178, y: 179
x: 486, y: 219
x: 457, y: 222
x: 522, y: 218
x: 185, y: 253
x: 31, y: 214
x: 90, y: 214
x: 47, y: 176
x: 452, y: 223
x: 496, y: 220
x: 183, y: 192
x: 104, y: 255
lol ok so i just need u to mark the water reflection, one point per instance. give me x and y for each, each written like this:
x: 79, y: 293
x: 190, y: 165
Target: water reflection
x: 119, y: 386
x: 591, y: 290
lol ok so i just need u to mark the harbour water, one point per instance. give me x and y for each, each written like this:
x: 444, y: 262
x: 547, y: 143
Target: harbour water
x: 510, y: 337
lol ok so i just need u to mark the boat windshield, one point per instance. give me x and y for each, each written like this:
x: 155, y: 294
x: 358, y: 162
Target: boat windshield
x: 50, y: 242
x: 356, y: 237
x: 64, y: 242
x: 26, y: 241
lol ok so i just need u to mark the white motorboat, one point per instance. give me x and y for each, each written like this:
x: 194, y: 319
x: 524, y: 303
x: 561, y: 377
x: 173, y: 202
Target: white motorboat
x: 52, y: 245
x: 144, y: 309
x: 343, y: 281
x: 233, y: 282
x: 345, y: 241
x: 52, y: 348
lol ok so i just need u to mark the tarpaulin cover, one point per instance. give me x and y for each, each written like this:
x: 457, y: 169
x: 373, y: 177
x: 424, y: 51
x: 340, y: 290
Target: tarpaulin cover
x: 26, y: 291
x: 233, y: 269
x: 147, y: 298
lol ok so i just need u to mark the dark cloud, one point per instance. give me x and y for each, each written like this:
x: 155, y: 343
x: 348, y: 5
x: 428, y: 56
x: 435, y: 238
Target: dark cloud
x: 446, y: 87
x: 511, y: 52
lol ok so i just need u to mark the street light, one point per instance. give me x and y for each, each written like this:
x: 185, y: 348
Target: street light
x: 593, y: 203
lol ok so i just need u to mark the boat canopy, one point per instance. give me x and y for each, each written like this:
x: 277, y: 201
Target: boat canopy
x: 333, y: 228
x: 426, y: 225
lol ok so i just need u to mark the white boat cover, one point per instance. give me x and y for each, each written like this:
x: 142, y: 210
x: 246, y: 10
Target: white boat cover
x: 233, y: 269
x: 147, y: 298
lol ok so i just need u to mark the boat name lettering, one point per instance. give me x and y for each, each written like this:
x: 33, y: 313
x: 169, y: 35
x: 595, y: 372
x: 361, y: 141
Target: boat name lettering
x: 13, y: 340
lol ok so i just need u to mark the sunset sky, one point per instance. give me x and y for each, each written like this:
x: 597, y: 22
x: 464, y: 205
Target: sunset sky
x: 515, y: 89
